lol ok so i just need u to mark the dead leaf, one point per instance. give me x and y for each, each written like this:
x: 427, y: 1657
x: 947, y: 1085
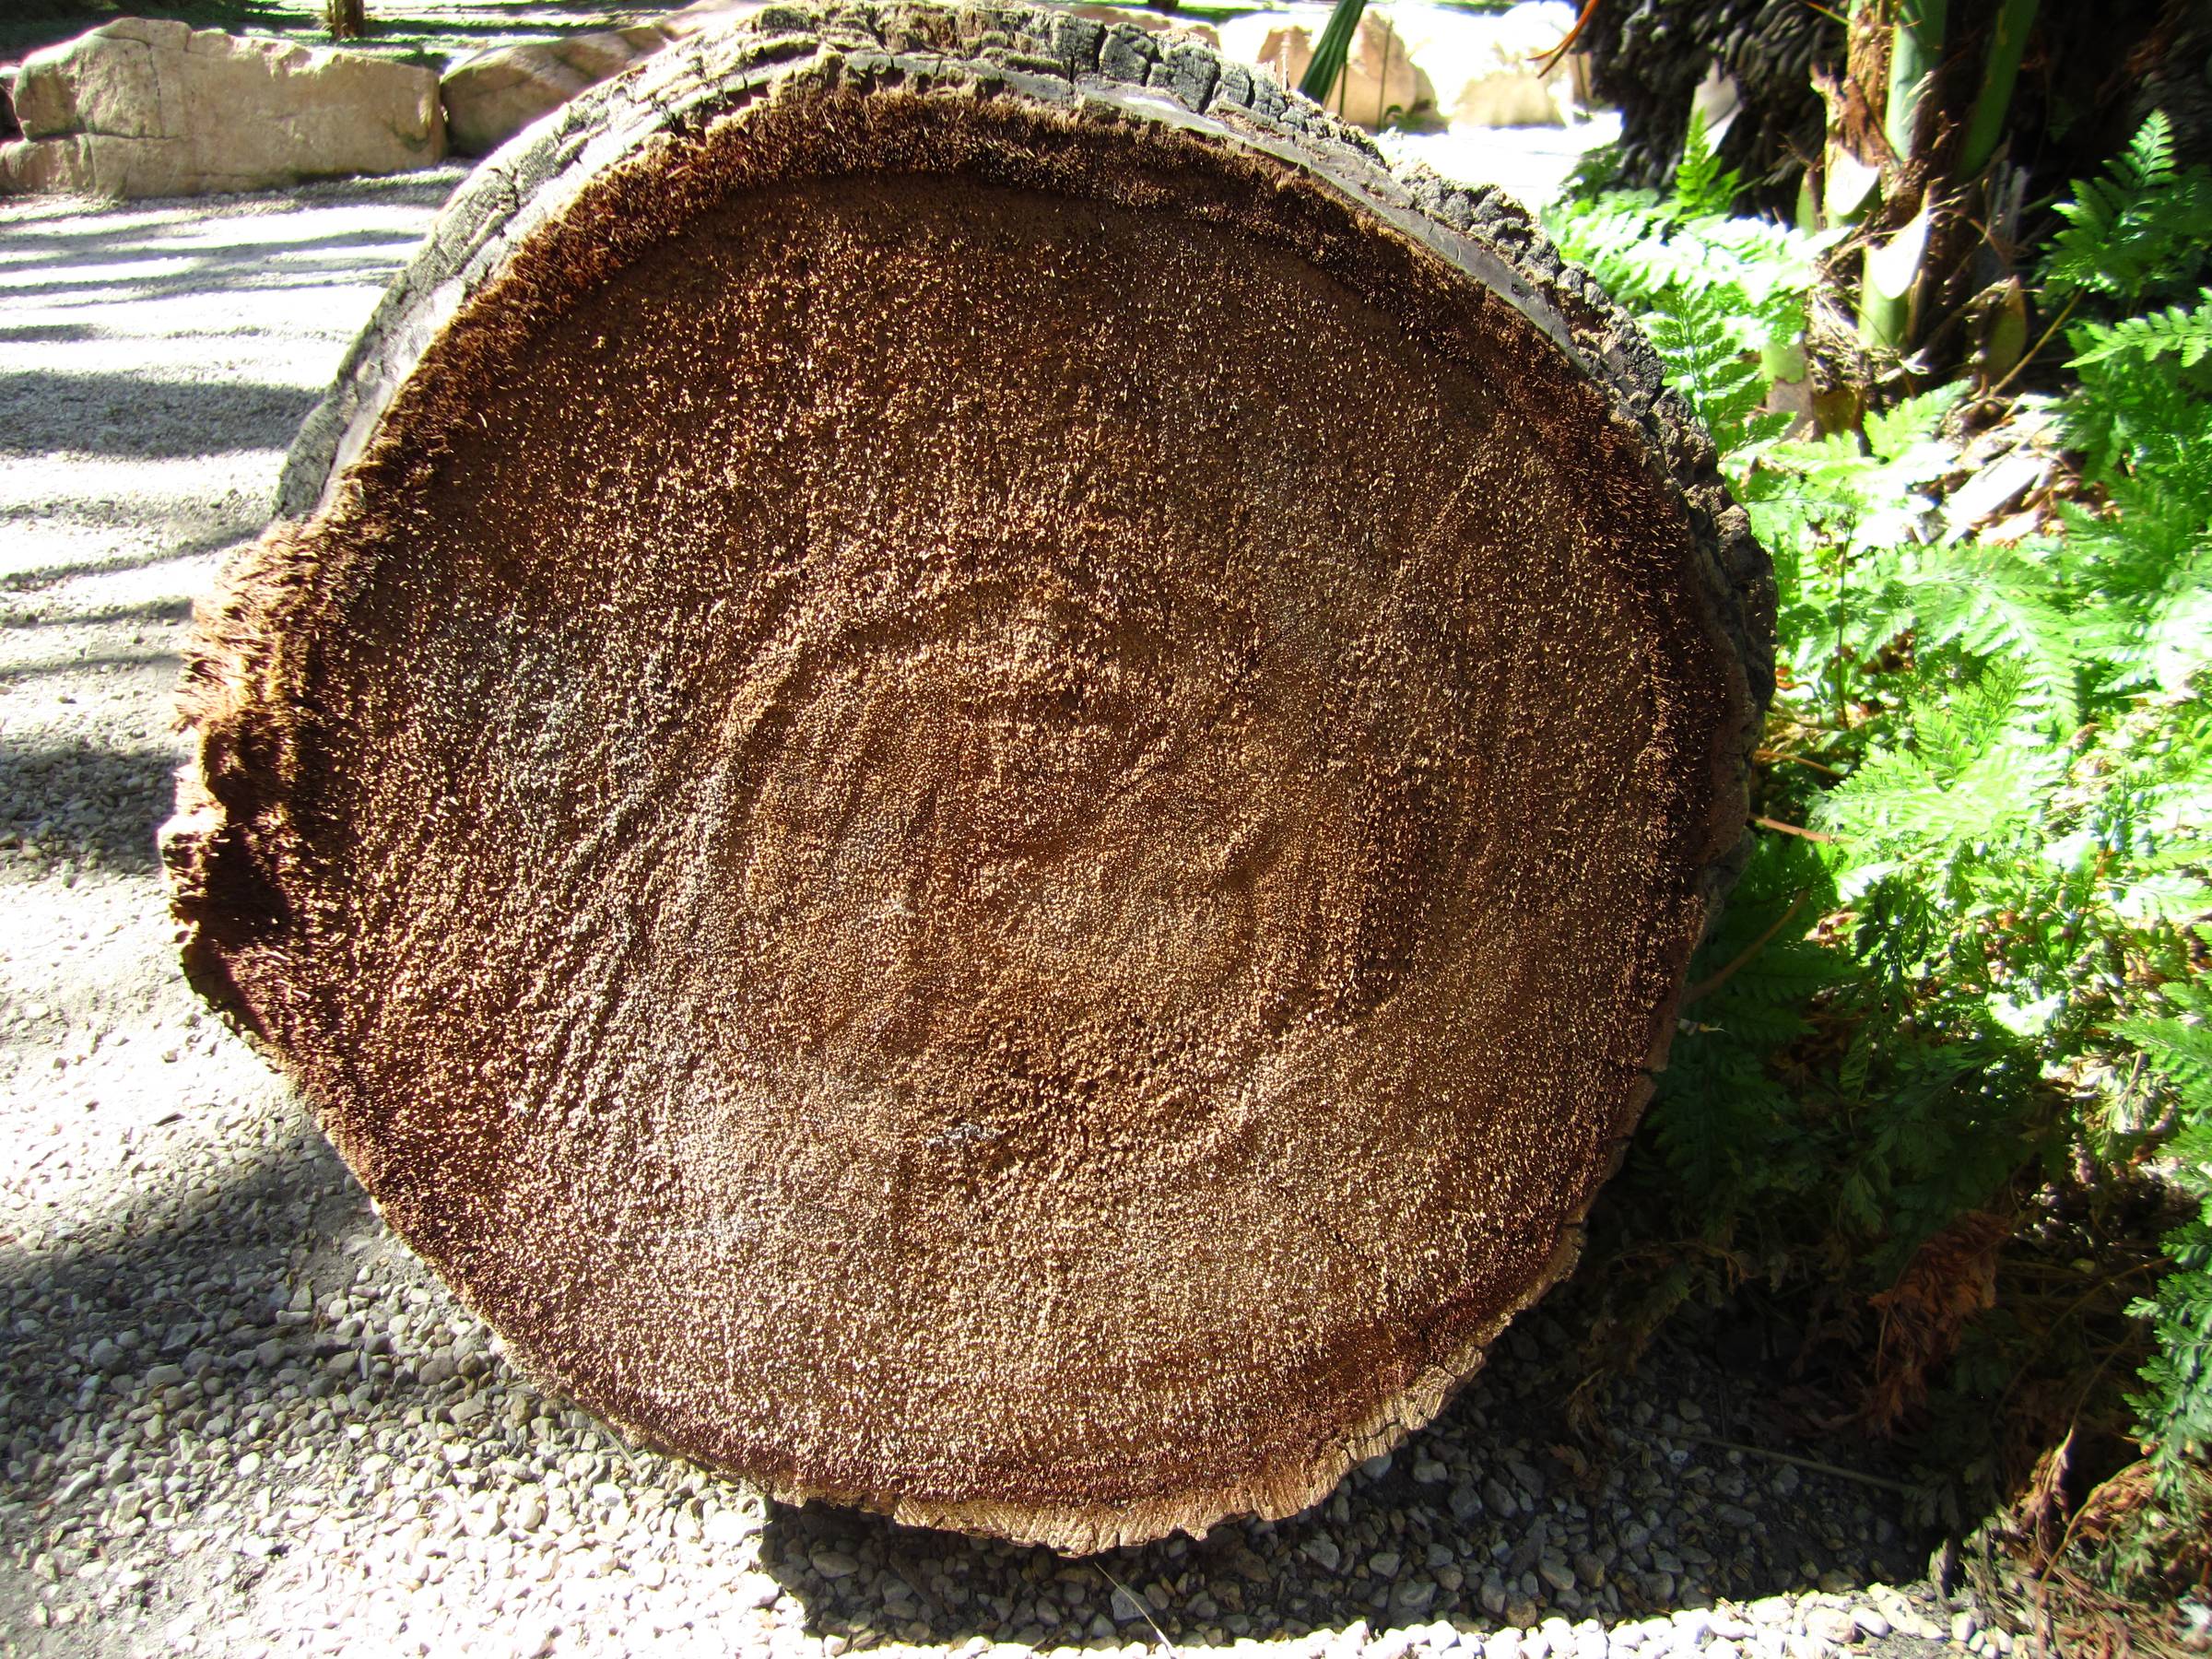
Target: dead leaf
x: 1952, y: 1277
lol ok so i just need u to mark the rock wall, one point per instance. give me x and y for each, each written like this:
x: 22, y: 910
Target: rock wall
x: 143, y: 107
x: 1431, y: 63
x: 492, y: 95
x: 497, y: 93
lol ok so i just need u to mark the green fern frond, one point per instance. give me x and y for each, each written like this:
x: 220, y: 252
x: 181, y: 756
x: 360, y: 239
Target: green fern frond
x: 2177, y: 638
x: 2175, y: 1408
x: 1707, y: 364
x: 2181, y: 1051
x: 1899, y: 432
x: 2184, y: 331
x: 1995, y: 602
x: 2011, y: 749
x: 1976, y: 770
x: 1703, y: 189
x: 2191, y: 852
x: 2144, y: 226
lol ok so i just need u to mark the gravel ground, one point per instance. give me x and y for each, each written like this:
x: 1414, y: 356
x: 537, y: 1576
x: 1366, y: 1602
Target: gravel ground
x: 236, y: 1417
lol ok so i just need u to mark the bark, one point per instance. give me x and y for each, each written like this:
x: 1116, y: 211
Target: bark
x: 346, y: 20
x: 977, y: 774
x: 2092, y: 74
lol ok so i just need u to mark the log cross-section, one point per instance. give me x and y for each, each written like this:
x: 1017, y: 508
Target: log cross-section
x: 974, y: 772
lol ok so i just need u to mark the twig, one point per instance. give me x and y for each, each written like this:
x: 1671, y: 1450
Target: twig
x: 1842, y: 656
x: 629, y: 1456
x: 1543, y: 63
x: 1811, y: 835
x: 1814, y: 1464
x: 1768, y: 757
x: 1713, y: 981
x: 1143, y: 1607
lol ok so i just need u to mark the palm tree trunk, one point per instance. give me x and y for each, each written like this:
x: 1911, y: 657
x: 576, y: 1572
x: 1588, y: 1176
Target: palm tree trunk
x: 346, y: 19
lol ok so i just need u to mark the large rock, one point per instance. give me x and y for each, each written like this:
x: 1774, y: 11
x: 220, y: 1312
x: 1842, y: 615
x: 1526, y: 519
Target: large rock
x: 1153, y: 23
x: 1381, y: 83
x: 146, y: 107
x: 1472, y: 69
x: 494, y: 95
x: 1492, y: 71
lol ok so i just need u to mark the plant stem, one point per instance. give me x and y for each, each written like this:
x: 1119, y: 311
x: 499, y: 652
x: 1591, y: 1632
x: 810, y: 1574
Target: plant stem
x: 1713, y: 981
x: 2044, y: 339
x: 1842, y: 612
x: 1772, y: 757
x: 1915, y: 53
x: 1985, y: 125
x: 1332, y: 51
x: 1915, y: 50
x: 1797, y: 829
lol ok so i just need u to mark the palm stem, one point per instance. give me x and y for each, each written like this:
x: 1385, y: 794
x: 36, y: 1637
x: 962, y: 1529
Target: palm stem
x: 1333, y: 52
x: 1985, y: 125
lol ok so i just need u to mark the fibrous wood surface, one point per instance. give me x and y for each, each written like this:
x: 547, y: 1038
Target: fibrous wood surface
x: 977, y: 775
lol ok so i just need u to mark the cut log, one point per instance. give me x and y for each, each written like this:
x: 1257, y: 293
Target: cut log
x: 974, y: 773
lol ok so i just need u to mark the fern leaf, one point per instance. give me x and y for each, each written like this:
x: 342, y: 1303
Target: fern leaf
x: 1707, y: 364
x: 1997, y: 603
x: 2144, y: 225
x: 1702, y: 187
x: 2184, y: 331
x: 2181, y: 1051
x: 1975, y: 772
x: 1895, y: 434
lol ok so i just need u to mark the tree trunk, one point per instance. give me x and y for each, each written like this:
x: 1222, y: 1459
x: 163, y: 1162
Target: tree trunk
x: 976, y: 775
x: 2092, y: 74
x: 346, y: 19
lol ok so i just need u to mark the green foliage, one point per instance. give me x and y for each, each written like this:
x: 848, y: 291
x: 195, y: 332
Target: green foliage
x: 1722, y: 299
x: 2142, y: 422
x: 2187, y: 333
x: 2142, y: 232
x: 2176, y: 1402
x: 1703, y: 189
x: 2001, y: 758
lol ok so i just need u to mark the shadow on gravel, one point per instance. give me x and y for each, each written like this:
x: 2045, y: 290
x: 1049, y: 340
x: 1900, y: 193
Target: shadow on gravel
x: 153, y: 612
x: 124, y: 414
x: 48, y: 334
x: 38, y: 578
x: 191, y: 1301
x: 105, y: 661
x: 91, y: 805
x: 128, y: 243
x: 258, y: 273
x: 190, y: 1291
x: 96, y: 262
x: 1514, y: 1503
